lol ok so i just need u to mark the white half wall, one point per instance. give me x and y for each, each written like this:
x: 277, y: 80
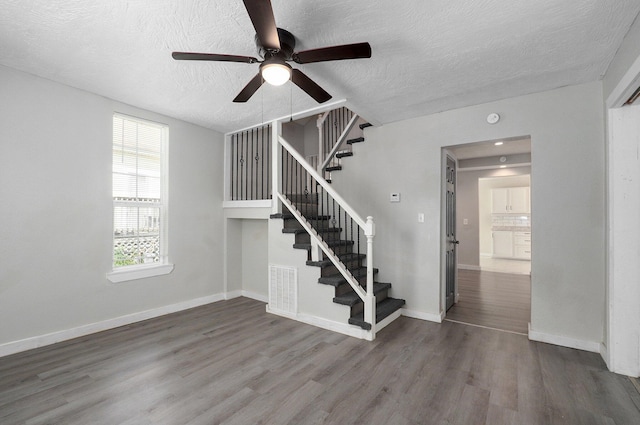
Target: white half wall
x: 567, y: 186
x: 56, y: 215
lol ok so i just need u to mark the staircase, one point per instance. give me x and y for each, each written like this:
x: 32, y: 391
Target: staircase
x: 347, y: 250
x: 346, y: 152
x: 265, y: 167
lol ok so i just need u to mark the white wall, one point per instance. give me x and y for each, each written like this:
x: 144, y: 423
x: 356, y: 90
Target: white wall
x: 56, y: 215
x: 566, y: 129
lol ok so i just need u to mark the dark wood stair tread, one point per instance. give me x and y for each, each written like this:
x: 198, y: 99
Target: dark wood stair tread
x: 345, y: 258
x: 344, y: 154
x: 383, y: 309
x: 351, y: 298
x: 289, y: 216
x: 356, y: 140
x: 331, y: 244
x: 334, y: 168
x: 320, y: 231
x: 365, y: 125
x: 337, y: 279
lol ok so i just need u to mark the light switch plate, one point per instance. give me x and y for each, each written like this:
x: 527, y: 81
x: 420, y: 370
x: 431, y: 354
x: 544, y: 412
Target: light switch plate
x: 395, y: 197
x: 420, y: 217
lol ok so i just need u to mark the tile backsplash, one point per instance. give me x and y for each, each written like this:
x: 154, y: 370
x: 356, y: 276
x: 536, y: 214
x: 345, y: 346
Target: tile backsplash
x: 511, y: 220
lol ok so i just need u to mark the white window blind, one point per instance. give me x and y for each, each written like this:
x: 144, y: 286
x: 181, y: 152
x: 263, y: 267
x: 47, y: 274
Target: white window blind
x: 139, y: 192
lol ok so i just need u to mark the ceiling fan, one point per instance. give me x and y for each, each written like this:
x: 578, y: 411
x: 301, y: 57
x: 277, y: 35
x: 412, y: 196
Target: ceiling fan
x: 276, y: 48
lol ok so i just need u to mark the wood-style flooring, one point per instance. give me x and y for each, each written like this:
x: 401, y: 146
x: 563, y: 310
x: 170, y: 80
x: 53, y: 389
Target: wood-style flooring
x: 232, y: 363
x: 495, y: 300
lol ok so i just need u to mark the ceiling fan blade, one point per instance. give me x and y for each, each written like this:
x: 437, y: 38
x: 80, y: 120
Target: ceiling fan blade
x: 261, y: 14
x: 186, y: 56
x: 249, y: 89
x: 309, y: 86
x: 334, y: 53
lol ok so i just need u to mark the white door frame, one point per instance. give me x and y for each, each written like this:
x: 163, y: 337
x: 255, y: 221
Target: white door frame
x: 621, y: 348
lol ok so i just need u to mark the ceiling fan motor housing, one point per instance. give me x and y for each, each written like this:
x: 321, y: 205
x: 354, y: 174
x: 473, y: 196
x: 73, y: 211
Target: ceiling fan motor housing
x: 287, y: 46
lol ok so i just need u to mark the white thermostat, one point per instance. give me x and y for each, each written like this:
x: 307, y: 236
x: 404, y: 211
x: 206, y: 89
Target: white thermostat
x: 493, y: 118
x: 394, y: 197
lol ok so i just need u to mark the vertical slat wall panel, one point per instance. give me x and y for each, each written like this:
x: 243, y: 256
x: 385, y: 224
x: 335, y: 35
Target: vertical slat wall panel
x: 250, y: 178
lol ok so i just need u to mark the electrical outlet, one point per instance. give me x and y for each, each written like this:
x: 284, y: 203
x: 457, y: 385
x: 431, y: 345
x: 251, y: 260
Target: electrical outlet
x: 420, y: 217
x: 465, y: 221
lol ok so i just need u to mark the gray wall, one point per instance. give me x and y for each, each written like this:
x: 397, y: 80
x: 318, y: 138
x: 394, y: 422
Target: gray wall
x: 56, y: 232
x: 567, y: 199
x: 467, y: 203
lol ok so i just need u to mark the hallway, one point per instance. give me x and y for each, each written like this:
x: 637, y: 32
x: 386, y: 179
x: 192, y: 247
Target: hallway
x: 494, y: 300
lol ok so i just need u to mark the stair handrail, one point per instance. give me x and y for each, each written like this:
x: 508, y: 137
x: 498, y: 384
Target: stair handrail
x: 368, y: 227
x: 325, y: 184
x: 340, y: 141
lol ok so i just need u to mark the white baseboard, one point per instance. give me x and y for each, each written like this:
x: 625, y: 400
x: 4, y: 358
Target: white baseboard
x: 255, y: 296
x: 67, y: 334
x: 564, y: 341
x: 431, y: 317
x: 345, y: 329
x: 468, y: 267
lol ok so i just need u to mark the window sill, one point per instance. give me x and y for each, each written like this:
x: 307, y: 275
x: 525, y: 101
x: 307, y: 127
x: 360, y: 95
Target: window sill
x: 139, y: 272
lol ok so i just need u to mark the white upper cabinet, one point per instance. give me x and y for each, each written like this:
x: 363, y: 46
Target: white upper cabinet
x: 510, y: 200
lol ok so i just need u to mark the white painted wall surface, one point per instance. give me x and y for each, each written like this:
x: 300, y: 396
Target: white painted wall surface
x: 566, y: 128
x: 56, y: 215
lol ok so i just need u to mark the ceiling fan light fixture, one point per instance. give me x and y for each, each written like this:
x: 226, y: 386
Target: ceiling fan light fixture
x: 275, y: 72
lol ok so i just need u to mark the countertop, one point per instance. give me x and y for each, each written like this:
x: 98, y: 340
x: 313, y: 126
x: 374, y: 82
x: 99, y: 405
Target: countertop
x: 511, y: 229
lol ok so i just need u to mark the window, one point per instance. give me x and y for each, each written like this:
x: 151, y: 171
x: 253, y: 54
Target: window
x: 139, y: 198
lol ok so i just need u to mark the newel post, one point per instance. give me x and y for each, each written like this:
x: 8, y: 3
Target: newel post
x: 370, y: 301
x: 276, y: 166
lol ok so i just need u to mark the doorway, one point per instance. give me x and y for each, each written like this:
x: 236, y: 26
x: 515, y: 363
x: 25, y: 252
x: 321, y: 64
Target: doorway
x: 491, y: 234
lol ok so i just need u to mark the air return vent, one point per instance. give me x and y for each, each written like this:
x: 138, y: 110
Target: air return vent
x: 283, y: 289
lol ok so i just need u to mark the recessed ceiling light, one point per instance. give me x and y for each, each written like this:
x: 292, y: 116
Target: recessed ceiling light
x: 503, y: 166
x: 498, y: 143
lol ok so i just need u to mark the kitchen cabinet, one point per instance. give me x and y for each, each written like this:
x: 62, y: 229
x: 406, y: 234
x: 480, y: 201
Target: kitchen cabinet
x: 510, y: 200
x: 508, y: 244
x: 522, y: 245
x: 502, y: 244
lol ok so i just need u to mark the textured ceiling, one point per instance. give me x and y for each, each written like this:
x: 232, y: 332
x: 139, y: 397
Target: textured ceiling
x: 428, y: 55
